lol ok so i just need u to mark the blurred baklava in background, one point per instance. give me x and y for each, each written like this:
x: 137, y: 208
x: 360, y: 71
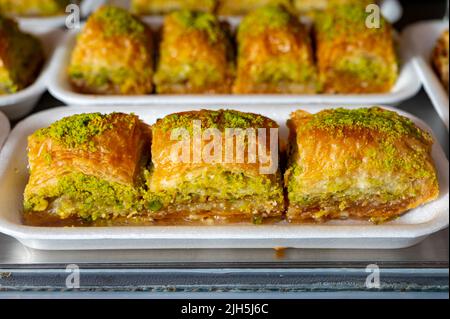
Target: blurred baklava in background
x: 196, y: 55
x: 370, y: 164
x: 243, y: 7
x: 351, y: 57
x: 35, y: 8
x: 114, y: 54
x: 274, y: 54
x: 227, y: 188
x: 152, y: 7
x: 439, y: 59
x: 21, y: 57
x: 86, y: 168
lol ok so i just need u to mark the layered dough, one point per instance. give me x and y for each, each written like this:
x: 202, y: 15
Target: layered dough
x: 274, y: 54
x: 113, y: 55
x: 370, y: 164
x: 196, y: 55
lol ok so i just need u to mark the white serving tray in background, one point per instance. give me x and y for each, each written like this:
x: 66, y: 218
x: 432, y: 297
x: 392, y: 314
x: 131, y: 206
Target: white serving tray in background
x: 5, y: 127
x: 45, y: 24
x: 19, y: 104
x: 421, y: 38
x: 403, y: 232
x: 408, y: 84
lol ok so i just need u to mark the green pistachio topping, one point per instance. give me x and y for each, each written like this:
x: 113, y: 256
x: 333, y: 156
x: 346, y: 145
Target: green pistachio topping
x: 117, y: 22
x: 202, y: 21
x: 374, y: 118
x: 77, y: 130
x: 267, y: 17
x: 213, y: 119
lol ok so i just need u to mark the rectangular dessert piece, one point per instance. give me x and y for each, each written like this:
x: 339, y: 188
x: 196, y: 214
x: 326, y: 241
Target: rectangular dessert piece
x: 113, y: 55
x: 149, y: 7
x: 274, y: 54
x: 440, y: 58
x: 201, y: 183
x: 196, y: 55
x: 351, y: 57
x: 21, y: 57
x: 35, y: 7
x: 85, y: 168
x: 366, y: 163
x: 236, y: 8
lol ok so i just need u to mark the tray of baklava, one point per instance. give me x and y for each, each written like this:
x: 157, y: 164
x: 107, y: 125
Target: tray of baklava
x: 139, y: 177
x: 268, y: 56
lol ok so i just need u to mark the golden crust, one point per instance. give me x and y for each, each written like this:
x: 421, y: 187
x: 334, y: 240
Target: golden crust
x: 114, y: 156
x: 351, y: 58
x: 356, y: 171
x: 219, y: 187
x: 108, y: 60
x: 274, y: 58
x: 194, y: 60
x: 162, y: 143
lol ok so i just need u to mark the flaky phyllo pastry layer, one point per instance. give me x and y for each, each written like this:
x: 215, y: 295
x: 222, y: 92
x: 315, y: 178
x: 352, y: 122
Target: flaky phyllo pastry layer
x: 113, y: 55
x: 93, y: 169
x: 363, y: 164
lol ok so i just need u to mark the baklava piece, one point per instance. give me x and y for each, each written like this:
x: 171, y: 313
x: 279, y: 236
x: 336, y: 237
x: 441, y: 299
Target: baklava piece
x: 35, y: 8
x: 113, y: 55
x: 198, y: 182
x: 274, y: 54
x: 21, y: 57
x: 351, y: 57
x: 236, y: 8
x: 440, y: 58
x: 86, y: 168
x: 196, y: 55
x: 368, y: 163
x: 149, y: 7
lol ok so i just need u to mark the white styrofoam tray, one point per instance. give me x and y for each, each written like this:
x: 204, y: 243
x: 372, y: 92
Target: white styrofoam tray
x: 421, y: 39
x: 45, y: 24
x: 5, y: 128
x: 408, y: 84
x: 405, y: 231
x: 21, y: 103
